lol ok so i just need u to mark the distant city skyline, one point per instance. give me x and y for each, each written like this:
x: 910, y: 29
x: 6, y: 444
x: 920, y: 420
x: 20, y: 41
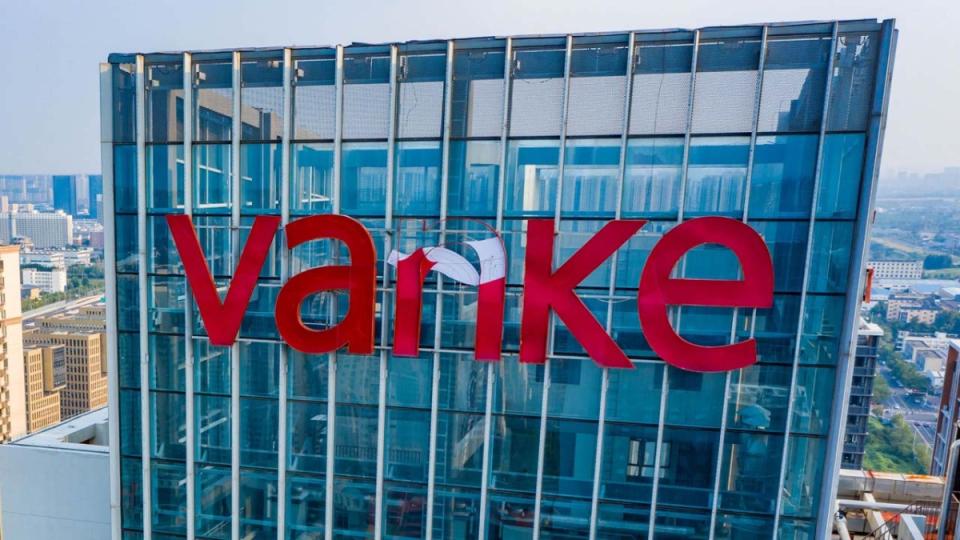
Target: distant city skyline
x: 52, y: 97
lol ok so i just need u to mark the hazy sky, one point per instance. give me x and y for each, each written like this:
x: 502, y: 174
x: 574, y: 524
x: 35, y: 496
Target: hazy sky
x: 49, y: 52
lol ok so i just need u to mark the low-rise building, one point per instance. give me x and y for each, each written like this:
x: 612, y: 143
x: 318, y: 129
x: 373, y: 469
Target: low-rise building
x: 48, y: 278
x: 83, y: 338
x: 55, y: 483
x: 46, y: 376
x: 861, y: 394
x: 887, y: 269
x: 912, y: 307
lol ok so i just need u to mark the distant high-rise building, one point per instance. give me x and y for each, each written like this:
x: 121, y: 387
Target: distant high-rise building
x: 13, y: 401
x: 95, y: 195
x: 861, y: 395
x: 65, y: 193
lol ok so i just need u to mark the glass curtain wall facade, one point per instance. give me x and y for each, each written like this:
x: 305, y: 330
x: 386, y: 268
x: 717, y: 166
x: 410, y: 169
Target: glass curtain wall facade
x: 436, y: 143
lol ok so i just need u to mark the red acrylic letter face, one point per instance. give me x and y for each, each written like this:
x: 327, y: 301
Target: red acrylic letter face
x: 658, y: 290
x: 359, y: 278
x: 545, y: 289
x: 222, y: 321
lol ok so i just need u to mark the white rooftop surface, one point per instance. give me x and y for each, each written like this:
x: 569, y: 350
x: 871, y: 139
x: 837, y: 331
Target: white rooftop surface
x: 53, y: 485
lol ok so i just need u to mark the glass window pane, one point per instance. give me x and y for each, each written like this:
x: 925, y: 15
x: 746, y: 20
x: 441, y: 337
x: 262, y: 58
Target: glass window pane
x: 126, y: 246
x: 782, y: 181
x: 417, y: 186
x: 306, y: 507
x: 308, y: 375
x: 628, y: 466
x: 407, y: 444
x: 366, y: 96
x: 356, y: 438
x: 213, y: 438
x: 510, y: 516
x: 164, y: 102
x: 694, y: 399
x: 794, y: 78
x: 597, y: 89
x: 751, y: 472
x: 517, y: 388
x: 311, y: 188
x: 532, y: 169
x: 167, y: 362
x: 460, y: 448
x: 363, y: 180
x: 315, y: 97
x: 456, y: 514
x: 212, y: 186
x: 213, y: 101
x: 787, y: 242
x: 258, y: 505
x: 463, y: 383
x: 619, y: 521
x: 536, y: 105
x: 840, y: 175
x: 261, y: 99
x: 758, y: 397
x: 574, y: 389
x: 420, y: 108
x: 726, y: 85
x: 688, y: 461
x: 404, y: 511
x: 822, y: 321
x: 813, y: 400
x: 473, y: 178
x: 801, y: 488
x: 164, y: 176
x: 260, y: 178
x: 308, y: 437
x: 775, y: 329
x: 660, y: 101
x: 213, y: 502
x: 830, y: 261
x: 354, y: 507
x: 169, y: 428
x: 477, y: 108
x: 651, y: 183
x: 716, y: 176
x: 259, y: 368
x: 211, y: 366
x: 258, y: 432
x: 358, y: 379
x: 124, y: 82
x: 169, y: 487
x: 564, y: 519
x: 125, y: 177
x: 590, y: 177
x: 633, y: 395
x: 570, y: 453
x: 515, y: 443
x: 851, y: 89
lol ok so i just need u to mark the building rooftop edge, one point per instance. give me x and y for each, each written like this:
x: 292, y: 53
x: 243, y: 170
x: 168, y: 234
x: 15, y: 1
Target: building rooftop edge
x: 869, y: 24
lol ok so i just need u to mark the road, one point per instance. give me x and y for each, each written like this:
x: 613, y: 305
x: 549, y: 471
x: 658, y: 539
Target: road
x: 922, y: 418
x: 63, y: 305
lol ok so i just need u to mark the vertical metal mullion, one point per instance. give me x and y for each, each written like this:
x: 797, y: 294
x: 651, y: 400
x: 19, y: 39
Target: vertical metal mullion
x: 488, y: 410
x: 235, y: 184
x: 435, y: 384
x: 551, y: 332
x: 680, y: 206
x: 332, y: 357
x: 806, y: 278
x: 611, y: 289
x: 736, y: 311
x: 505, y: 129
x: 143, y: 299
x: 286, y: 123
x: 188, y: 299
x: 110, y: 284
x: 565, y: 108
x: 384, y: 354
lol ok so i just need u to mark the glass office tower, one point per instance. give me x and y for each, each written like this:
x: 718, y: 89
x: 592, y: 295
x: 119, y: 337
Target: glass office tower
x: 437, y: 143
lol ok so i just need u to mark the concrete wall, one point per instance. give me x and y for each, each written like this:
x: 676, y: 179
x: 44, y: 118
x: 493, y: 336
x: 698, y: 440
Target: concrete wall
x: 54, y: 494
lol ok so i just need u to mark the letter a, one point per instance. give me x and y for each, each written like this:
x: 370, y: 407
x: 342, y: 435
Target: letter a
x: 359, y: 278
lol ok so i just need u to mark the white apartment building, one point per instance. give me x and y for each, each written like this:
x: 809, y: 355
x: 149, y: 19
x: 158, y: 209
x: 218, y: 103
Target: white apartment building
x: 896, y: 269
x: 47, y: 278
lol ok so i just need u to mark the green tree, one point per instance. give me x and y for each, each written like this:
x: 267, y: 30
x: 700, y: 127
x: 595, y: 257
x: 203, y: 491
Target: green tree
x: 895, y: 447
x: 936, y: 262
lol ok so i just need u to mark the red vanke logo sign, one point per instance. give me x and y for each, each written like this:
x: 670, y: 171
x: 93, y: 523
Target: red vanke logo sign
x: 545, y: 289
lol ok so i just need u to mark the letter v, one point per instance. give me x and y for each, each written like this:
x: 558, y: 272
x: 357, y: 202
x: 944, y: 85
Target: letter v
x: 222, y: 320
